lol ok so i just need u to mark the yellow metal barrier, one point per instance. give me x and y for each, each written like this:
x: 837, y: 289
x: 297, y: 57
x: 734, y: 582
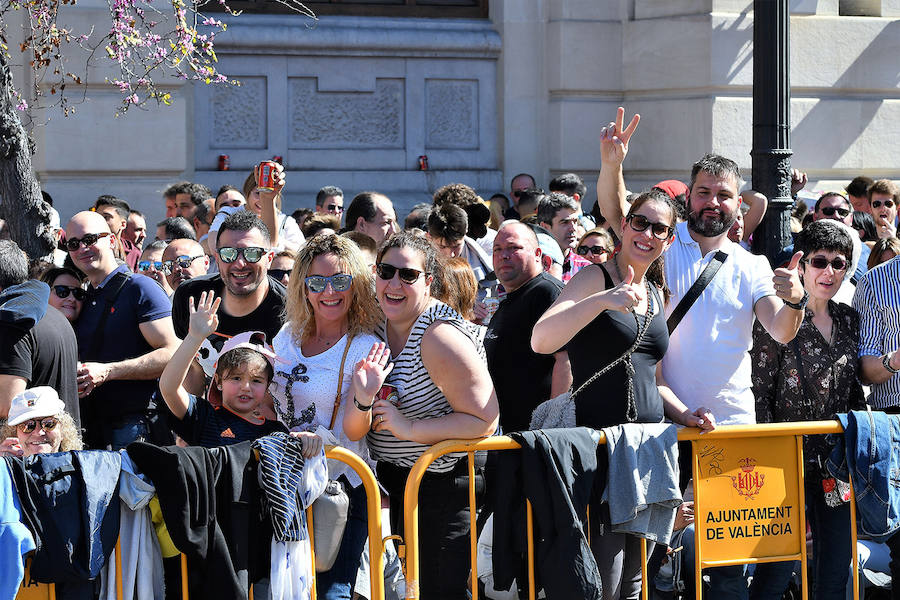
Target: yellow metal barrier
x: 725, y: 433
x: 376, y: 544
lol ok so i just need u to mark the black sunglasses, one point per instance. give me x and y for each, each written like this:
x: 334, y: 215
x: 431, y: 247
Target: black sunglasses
x: 878, y: 203
x: 89, y: 239
x: 340, y: 282
x: 251, y: 255
x: 63, y: 291
x: 829, y: 211
x: 47, y: 424
x: 820, y: 262
x: 595, y: 250
x: 661, y: 231
x: 279, y: 274
x: 407, y: 275
x: 184, y: 262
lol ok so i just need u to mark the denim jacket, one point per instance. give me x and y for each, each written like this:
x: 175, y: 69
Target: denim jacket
x: 869, y: 451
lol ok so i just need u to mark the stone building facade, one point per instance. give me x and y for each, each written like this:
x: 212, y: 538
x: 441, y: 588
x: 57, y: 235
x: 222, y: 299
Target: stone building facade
x: 526, y: 85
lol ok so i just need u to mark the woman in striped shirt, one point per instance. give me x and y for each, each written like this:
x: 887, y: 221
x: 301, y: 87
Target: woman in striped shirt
x: 436, y: 362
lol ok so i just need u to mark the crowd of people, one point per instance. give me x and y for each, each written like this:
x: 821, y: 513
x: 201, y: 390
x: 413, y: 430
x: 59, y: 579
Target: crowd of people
x: 337, y: 326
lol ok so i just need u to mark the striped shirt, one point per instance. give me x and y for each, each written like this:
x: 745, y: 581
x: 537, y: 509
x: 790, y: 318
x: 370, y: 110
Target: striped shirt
x: 877, y: 300
x: 420, y: 398
x: 289, y: 482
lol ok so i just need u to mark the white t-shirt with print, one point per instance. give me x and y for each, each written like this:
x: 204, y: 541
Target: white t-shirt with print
x: 311, y: 383
x: 708, y: 361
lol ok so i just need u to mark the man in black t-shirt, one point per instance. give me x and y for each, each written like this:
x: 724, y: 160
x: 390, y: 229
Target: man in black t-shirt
x: 37, y: 343
x: 251, y: 301
x: 522, y: 378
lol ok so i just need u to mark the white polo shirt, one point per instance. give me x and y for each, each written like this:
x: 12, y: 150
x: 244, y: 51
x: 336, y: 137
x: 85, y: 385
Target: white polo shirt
x: 708, y: 361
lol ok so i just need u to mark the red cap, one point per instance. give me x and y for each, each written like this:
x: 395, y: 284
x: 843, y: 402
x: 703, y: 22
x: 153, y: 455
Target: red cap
x: 672, y: 187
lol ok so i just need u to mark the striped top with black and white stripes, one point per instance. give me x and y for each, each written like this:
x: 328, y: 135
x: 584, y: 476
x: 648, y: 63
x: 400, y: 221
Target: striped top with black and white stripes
x: 877, y: 300
x: 420, y: 398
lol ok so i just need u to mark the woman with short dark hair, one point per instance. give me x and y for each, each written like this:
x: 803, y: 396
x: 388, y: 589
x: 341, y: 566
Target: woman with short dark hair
x: 812, y: 378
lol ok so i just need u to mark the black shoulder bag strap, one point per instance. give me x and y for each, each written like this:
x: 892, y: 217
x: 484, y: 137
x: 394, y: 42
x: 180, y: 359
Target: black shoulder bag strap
x: 116, y: 284
x: 695, y: 290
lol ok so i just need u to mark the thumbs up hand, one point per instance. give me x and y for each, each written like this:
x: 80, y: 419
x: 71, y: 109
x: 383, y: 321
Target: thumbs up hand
x: 787, y: 280
x: 625, y: 296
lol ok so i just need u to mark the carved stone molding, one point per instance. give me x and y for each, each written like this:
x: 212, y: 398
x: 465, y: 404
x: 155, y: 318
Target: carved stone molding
x: 339, y: 120
x: 451, y: 113
x: 238, y: 114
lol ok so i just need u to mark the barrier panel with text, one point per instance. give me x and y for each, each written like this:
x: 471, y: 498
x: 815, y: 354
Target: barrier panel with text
x: 748, y: 499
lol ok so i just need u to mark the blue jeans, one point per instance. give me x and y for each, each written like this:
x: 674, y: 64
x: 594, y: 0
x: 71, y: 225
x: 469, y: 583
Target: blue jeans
x: 337, y: 582
x: 127, y: 430
x: 831, y: 552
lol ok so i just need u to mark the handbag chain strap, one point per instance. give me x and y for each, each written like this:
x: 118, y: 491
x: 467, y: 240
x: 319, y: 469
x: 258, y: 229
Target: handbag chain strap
x: 642, y: 326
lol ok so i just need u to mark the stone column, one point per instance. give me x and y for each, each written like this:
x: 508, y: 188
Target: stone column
x: 771, y: 151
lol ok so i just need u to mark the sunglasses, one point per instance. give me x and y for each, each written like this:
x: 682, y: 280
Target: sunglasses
x: 340, y: 282
x: 407, y: 275
x: 89, y: 239
x: 183, y: 262
x: 63, y: 291
x: 878, y: 203
x: 595, y: 250
x: 829, y: 211
x: 334, y: 209
x: 820, y: 262
x: 251, y: 255
x: 146, y: 265
x: 661, y: 231
x: 47, y: 424
x: 280, y: 274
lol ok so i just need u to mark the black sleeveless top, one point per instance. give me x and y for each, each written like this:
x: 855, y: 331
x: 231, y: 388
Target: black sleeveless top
x: 604, y: 402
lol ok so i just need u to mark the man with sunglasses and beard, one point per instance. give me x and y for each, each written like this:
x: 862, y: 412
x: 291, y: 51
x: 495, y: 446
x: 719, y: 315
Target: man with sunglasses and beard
x: 125, y: 337
x: 719, y: 326
x: 251, y: 300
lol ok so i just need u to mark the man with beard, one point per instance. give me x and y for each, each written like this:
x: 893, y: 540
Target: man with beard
x: 717, y: 330
x: 251, y: 300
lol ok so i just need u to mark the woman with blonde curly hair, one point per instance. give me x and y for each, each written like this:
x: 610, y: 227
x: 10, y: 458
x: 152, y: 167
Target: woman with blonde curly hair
x: 330, y: 314
x: 38, y: 424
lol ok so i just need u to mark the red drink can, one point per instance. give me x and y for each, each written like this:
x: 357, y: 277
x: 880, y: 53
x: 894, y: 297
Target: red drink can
x: 423, y: 162
x: 266, y: 176
x: 388, y: 392
x: 224, y: 162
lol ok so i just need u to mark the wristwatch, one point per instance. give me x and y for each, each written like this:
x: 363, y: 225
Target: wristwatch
x: 362, y: 407
x: 798, y: 305
x: 886, y: 361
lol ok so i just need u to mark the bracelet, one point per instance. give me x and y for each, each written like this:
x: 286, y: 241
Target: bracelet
x: 362, y: 407
x: 886, y: 362
x: 798, y: 305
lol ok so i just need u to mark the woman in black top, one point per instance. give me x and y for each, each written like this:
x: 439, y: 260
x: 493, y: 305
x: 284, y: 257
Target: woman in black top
x: 607, y: 311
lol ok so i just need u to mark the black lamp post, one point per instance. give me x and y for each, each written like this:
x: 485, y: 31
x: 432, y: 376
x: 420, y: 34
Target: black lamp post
x: 772, y: 123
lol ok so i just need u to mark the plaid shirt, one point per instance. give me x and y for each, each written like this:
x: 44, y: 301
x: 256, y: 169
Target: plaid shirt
x: 572, y: 264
